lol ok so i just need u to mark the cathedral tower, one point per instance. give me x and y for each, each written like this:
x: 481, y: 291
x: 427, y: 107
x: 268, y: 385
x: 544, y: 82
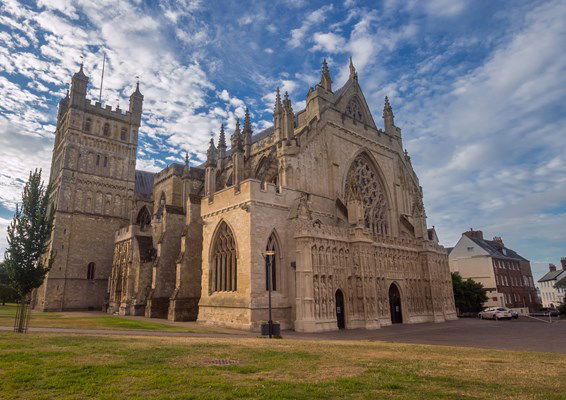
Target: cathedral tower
x: 93, y: 180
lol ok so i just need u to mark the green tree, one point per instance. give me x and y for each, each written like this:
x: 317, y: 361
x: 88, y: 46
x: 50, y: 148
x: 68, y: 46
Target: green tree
x: 469, y: 295
x: 7, y: 293
x: 28, y: 238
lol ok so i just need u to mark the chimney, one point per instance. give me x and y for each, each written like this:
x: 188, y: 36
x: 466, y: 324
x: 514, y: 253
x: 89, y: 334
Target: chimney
x: 563, y: 263
x: 552, y: 267
x: 498, y: 240
x: 474, y: 234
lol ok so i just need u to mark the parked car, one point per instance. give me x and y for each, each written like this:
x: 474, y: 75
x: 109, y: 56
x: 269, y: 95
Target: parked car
x: 546, y: 311
x: 514, y: 314
x: 495, y: 313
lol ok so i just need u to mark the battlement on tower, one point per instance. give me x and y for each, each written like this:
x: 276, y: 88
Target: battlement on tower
x: 106, y: 111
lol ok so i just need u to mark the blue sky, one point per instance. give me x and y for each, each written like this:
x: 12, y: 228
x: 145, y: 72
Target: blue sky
x: 478, y: 88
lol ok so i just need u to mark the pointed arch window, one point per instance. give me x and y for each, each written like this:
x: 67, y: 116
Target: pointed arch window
x: 144, y: 218
x: 224, y: 268
x: 123, y: 134
x: 106, y: 129
x: 363, y: 180
x: 271, y: 262
x: 354, y: 110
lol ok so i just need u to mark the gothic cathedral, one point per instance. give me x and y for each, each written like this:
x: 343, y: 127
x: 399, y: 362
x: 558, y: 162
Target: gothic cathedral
x: 323, y: 208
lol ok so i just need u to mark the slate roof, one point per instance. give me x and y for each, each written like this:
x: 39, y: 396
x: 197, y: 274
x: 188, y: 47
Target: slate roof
x: 495, y: 249
x: 144, y: 183
x: 551, y: 275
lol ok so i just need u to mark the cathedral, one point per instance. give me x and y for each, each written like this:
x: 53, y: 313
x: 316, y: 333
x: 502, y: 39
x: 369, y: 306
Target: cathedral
x: 323, y: 208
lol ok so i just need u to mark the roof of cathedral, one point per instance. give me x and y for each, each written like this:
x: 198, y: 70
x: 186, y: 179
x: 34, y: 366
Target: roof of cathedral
x: 144, y: 183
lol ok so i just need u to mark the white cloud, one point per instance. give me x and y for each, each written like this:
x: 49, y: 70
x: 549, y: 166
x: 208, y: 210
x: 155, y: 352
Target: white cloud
x: 315, y: 17
x: 328, y: 42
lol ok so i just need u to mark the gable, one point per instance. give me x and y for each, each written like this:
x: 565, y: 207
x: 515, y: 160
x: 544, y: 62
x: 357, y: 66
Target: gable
x: 351, y: 101
x: 467, y: 248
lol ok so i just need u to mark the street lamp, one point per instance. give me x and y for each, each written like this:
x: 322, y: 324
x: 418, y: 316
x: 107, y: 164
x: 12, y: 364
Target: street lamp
x: 267, y: 255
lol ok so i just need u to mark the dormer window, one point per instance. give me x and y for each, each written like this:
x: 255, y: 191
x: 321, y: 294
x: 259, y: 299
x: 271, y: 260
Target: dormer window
x: 88, y: 124
x: 123, y: 134
x: 106, y: 129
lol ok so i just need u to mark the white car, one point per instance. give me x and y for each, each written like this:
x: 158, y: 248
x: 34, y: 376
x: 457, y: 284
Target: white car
x: 495, y: 313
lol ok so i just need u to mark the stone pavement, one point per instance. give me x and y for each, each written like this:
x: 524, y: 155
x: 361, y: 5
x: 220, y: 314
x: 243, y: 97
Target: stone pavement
x: 523, y: 334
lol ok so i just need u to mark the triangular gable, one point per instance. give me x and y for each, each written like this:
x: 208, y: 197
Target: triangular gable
x: 351, y: 91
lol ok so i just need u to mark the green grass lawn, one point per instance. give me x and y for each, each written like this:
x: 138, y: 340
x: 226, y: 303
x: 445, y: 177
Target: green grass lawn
x: 62, y: 366
x: 85, y: 321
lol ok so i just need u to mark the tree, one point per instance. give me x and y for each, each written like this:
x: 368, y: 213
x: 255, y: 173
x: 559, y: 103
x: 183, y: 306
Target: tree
x: 7, y: 293
x: 28, y: 240
x: 469, y: 295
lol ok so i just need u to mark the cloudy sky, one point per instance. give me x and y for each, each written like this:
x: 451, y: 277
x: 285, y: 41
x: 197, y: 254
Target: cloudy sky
x: 478, y: 88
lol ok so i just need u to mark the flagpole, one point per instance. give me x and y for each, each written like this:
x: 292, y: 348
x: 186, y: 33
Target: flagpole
x: 102, y: 78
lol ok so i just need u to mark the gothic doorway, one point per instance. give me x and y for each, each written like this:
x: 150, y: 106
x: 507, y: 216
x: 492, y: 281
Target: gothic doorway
x: 340, y: 312
x: 395, y: 304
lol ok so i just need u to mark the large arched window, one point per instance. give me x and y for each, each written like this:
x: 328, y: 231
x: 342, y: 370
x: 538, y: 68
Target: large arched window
x: 224, y: 268
x: 90, y: 271
x: 271, y: 262
x: 363, y: 181
x: 144, y: 218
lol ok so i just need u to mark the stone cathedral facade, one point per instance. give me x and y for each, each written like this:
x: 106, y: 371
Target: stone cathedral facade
x: 324, y: 206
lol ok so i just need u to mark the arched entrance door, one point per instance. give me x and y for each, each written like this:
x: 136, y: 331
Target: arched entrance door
x: 340, y: 312
x: 395, y: 304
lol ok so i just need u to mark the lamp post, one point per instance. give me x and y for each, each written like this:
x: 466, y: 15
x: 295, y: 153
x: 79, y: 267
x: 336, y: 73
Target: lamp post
x: 267, y: 255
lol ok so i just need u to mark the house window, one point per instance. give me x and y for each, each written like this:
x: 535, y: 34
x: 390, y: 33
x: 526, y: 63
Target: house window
x: 224, y: 266
x: 470, y: 249
x: 90, y: 271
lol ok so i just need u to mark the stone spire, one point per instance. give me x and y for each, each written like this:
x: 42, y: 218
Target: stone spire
x: 78, y: 88
x: 187, y: 166
x: 222, y: 143
x: 277, y: 108
x: 211, y: 154
x: 247, y: 132
x: 236, y: 139
x: 353, y: 73
x: 325, y: 80
x: 388, y: 117
x: 136, y: 101
x: 288, y: 118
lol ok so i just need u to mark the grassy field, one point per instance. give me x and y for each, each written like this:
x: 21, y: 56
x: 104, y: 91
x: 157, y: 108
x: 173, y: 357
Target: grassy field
x: 85, y: 321
x: 56, y: 366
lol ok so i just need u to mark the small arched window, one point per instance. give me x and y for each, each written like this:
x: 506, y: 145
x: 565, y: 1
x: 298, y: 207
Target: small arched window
x: 106, y: 129
x: 272, y: 252
x: 224, y: 266
x: 144, y: 218
x: 88, y: 124
x: 98, y: 159
x: 123, y: 134
x: 90, y: 271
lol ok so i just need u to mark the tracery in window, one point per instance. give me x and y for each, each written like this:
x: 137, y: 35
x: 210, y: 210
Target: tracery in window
x: 354, y: 110
x: 224, y: 266
x: 144, y: 218
x: 271, y: 262
x: 363, y: 180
